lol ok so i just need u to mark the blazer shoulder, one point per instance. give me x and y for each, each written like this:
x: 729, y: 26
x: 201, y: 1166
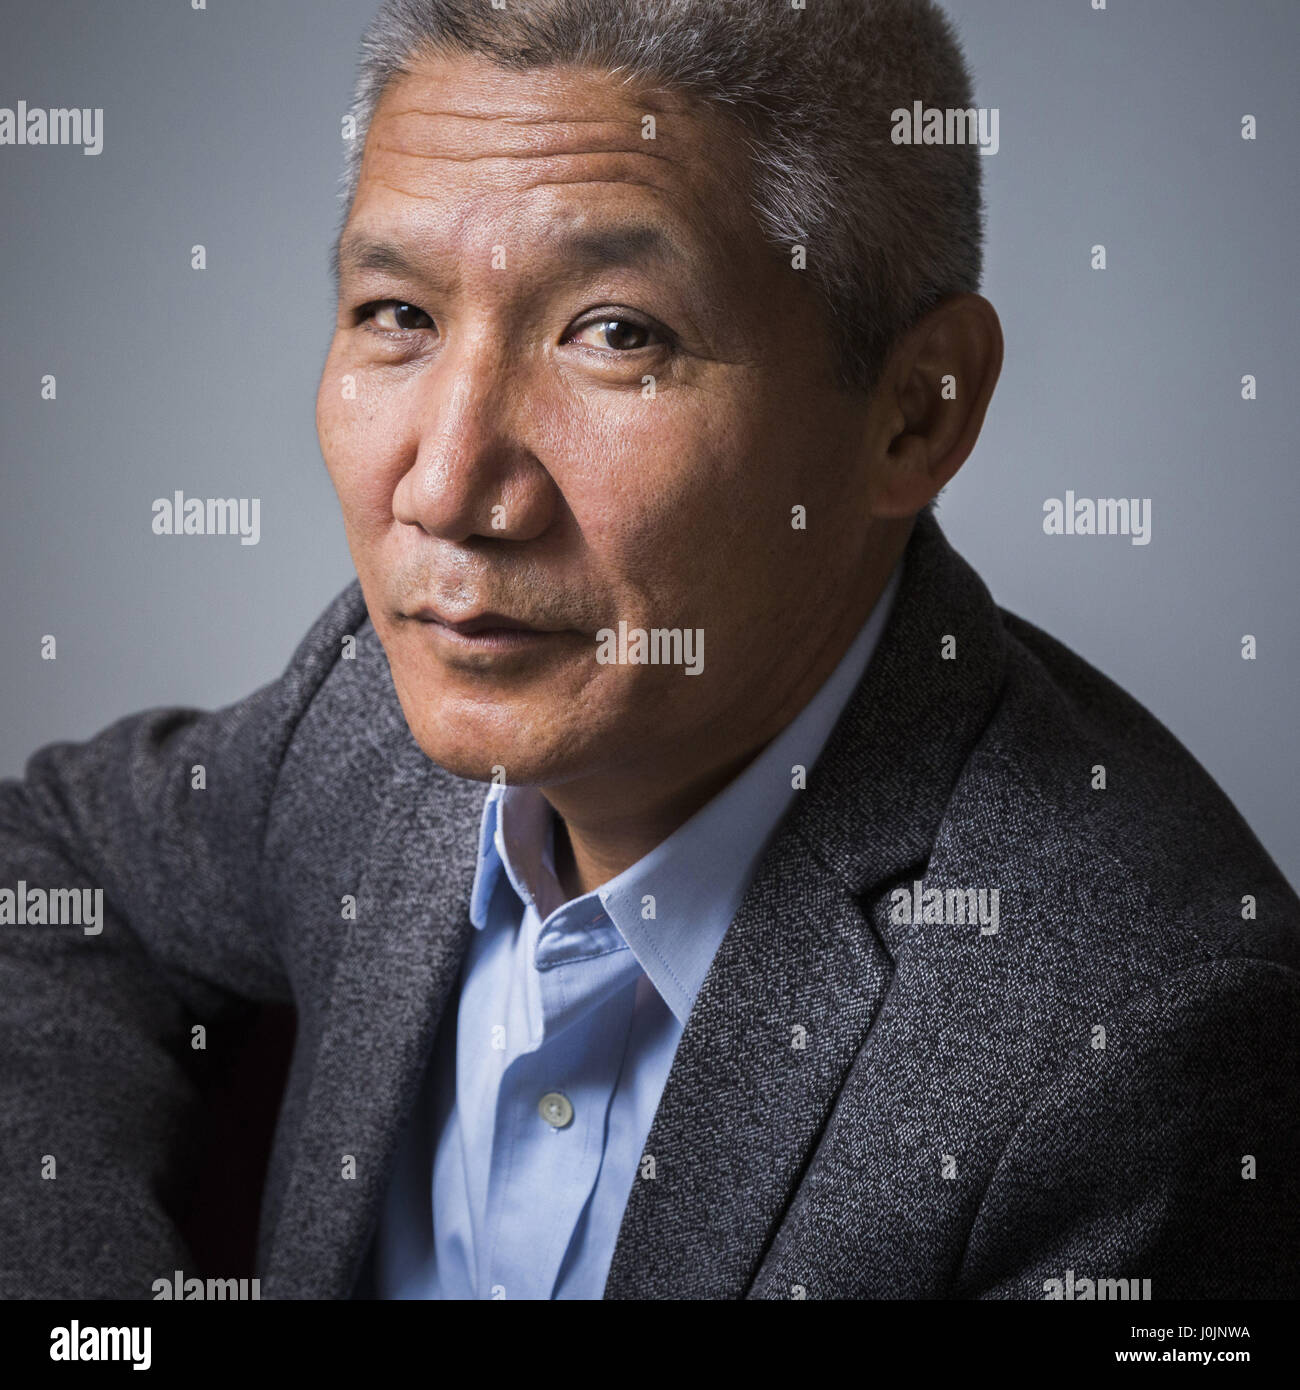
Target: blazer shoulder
x: 1111, y: 826
x: 279, y: 709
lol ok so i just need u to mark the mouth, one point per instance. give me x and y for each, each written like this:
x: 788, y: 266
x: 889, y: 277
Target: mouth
x: 486, y: 631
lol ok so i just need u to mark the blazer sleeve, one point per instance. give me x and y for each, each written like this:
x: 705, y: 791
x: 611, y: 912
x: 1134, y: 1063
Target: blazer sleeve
x: 164, y: 814
x: 1171, y: 1156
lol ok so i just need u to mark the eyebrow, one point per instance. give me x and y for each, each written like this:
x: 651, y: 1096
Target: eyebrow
x: 594, y: 248
x: 363, y: 253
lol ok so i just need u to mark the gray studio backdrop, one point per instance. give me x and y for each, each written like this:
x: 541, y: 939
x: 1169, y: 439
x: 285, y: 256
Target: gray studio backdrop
x: 222, y: 128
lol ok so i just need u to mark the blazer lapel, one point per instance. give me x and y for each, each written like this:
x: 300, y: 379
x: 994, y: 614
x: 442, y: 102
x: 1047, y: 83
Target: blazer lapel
x: 802, y: 972
x: 786, y: 1004
x: 396, y: 971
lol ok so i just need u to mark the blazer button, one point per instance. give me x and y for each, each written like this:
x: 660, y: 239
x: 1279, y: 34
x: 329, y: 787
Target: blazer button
x: 555, y: 1109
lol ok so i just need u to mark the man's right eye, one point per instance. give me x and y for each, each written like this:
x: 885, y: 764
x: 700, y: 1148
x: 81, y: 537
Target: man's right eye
x: 393, y: 316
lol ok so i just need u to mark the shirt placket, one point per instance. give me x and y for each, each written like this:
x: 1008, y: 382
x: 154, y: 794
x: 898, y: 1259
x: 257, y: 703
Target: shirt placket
x: 553, y: 1100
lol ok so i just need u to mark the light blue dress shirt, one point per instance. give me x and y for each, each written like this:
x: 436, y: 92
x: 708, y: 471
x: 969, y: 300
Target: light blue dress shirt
x: 511, y: 1180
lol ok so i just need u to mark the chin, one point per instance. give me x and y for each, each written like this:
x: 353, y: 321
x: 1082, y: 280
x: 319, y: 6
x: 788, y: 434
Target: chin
x: 462, y: 759
x: 474, y: 741
x: 459, y: 761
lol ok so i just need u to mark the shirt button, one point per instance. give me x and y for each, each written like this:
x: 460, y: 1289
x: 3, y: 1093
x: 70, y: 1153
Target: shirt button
x: 555, y: 1109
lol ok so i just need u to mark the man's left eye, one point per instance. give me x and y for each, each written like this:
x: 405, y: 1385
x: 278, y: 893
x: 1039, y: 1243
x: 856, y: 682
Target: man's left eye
x: 618, y: 334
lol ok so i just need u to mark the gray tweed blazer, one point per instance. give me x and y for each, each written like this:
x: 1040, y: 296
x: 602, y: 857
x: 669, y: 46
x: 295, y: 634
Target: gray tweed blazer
x: 861, y: 1105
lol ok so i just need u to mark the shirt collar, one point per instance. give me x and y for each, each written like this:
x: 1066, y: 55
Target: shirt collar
x: 674, y: 905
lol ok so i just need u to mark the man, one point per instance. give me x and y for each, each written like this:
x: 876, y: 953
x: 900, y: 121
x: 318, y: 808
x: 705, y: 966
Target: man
x: 822, y: 930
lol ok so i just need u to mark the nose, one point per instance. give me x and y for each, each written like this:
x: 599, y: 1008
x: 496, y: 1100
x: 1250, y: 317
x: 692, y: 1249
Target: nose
x: 472, y: 472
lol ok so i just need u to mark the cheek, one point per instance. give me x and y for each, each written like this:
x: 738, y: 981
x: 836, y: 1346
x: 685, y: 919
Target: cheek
x: 658, y: 487
x: 362, y: 449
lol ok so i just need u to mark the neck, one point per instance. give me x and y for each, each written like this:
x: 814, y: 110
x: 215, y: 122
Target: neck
x: 592, y: 847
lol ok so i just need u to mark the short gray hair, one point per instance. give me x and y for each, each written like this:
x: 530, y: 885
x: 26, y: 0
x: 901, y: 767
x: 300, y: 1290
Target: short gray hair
x: 889, y: 229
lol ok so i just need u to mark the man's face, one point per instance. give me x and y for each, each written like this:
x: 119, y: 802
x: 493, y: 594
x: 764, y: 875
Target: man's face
x: 571, y: 385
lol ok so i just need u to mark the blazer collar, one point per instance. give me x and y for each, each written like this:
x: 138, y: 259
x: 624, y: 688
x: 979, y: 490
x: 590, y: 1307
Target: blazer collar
x: 883, y: 783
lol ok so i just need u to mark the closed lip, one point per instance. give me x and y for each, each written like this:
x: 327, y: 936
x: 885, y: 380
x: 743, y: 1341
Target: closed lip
x: 479, y: 622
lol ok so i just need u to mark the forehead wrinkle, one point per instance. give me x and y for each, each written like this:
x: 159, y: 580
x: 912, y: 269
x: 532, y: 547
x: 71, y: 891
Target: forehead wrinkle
x: 416, y: 132
x: 493, y: 116
x: 441, y: 194
x: 405, y: 153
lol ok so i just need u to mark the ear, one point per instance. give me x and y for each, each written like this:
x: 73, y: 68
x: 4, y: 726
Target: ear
x: 928, y: 407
